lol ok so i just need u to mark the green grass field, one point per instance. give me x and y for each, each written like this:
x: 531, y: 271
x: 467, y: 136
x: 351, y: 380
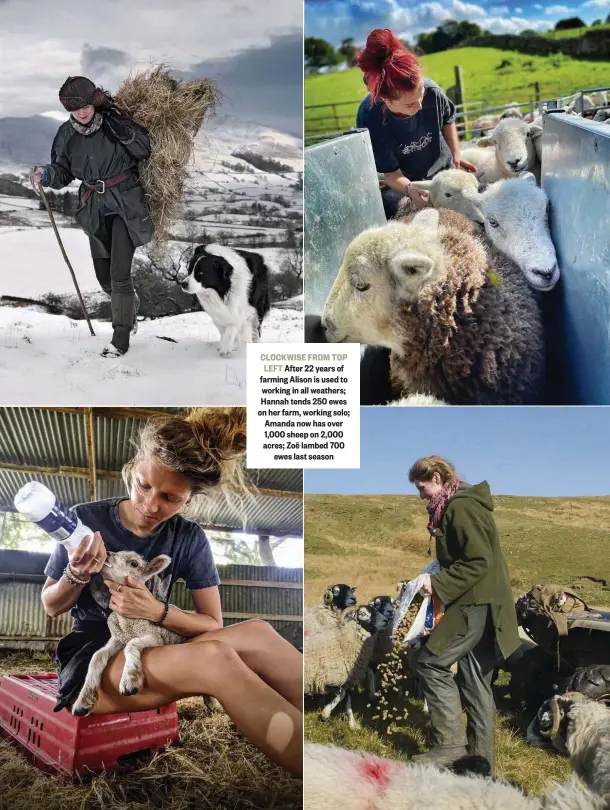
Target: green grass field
x: 373, y: 542
x: 484, y: 81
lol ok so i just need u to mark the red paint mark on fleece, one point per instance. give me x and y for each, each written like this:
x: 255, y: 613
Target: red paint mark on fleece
x: 306, y: 633
x: 375, y: 771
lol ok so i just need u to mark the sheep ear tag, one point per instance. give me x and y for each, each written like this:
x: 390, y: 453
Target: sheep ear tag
x: 428, y: 218
x: 527, y: 176
x: 479, y: 173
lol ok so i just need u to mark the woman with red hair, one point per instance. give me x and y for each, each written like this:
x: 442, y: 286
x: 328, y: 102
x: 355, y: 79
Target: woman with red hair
x: 410, y: 120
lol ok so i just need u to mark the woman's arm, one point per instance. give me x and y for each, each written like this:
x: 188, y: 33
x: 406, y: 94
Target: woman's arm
x: 132, y: 137
x: 58, y: 173
x: 451, y: 137
x: 472, y: 535
x: 58, y: 596
x: 398, y: 182
x: 135, y: 601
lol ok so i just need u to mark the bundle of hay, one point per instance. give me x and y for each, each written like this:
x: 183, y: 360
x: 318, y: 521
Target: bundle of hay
x: 173, y: 113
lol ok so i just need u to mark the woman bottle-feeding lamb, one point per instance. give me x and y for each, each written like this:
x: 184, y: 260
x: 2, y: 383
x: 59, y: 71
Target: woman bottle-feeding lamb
x: 410, y: 120
x: 102, y: 147
x: 479, y: 627
x: 255, y: 674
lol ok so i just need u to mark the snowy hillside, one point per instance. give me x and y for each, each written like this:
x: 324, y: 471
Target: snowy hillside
x: 54, y: 359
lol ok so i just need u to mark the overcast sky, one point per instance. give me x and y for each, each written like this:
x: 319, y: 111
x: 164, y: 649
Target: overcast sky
x: 334, y: 20
x: 253, y: 49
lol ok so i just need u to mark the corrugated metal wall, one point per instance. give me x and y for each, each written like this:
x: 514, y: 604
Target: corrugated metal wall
x: 23, y: 620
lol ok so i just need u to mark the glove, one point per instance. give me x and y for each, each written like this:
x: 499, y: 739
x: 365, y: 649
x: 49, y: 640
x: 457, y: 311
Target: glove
x: 119, y: 128
x: 426, y: 585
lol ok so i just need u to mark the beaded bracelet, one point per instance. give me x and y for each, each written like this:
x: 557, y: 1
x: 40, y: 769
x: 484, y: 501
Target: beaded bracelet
x: 164, y: 617
x: 72, y: 578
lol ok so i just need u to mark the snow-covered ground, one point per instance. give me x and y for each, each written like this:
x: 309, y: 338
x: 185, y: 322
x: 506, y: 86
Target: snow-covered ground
x: 52, y: 360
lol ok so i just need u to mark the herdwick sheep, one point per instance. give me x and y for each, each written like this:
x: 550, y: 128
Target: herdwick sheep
x: 131, y: 635
x: 458, y: 317
x: 511, y: 148
x: 514, y: 214
x: 512, y: 112
x: 356, y: 780
x: 338, y: 654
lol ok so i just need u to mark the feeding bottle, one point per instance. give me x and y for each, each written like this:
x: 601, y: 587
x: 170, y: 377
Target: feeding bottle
x: 40, y: 505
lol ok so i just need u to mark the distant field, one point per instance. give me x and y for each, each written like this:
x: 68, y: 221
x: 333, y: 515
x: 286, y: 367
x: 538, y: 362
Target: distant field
x: 372, y: 542
x: 570, y: 33
x: 484, y: 80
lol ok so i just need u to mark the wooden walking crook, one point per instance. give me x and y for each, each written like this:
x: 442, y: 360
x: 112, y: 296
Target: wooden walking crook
x: 65, y: 255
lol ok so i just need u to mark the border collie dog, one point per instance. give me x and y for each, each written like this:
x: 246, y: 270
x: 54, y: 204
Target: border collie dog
x: 233, y: 288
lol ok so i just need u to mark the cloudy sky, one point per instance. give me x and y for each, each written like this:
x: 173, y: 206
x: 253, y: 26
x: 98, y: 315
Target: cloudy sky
x: 334, y: 20
x: 253, y: 49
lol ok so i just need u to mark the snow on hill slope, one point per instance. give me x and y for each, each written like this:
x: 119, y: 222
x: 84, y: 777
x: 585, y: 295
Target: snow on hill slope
x: 53, y: 359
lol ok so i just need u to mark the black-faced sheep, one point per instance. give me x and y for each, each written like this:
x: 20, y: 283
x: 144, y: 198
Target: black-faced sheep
x: 364, y: 780
x: 460, y: 321
x: 513, y: 213
x: 506, y: 151
x: 338, y: 652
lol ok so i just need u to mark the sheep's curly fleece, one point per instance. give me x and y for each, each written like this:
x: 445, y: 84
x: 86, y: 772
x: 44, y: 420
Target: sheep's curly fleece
x: 337, y: 651
x: 362, y: 781
x: 476, y: 338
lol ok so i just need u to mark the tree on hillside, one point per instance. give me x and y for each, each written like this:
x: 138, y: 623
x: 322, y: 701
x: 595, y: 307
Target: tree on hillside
x: 448, y: 35
x: 529, y: 32
x: 570, y: 22
x: 348, y: 51
x: 608, y: 20
x: 319, y: 53
x: 597, y: 22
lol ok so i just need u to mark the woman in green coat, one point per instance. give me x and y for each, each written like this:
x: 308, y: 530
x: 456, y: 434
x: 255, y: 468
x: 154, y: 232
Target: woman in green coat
x: 479, y: 627
x: 102, y: 147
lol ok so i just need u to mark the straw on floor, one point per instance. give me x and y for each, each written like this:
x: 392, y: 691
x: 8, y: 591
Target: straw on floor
x: 173, y: 112
x: 213, y: 766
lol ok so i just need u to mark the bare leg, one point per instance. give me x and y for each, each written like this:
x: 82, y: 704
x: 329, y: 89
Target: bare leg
x: 273, y: 658
x: 188, y: 670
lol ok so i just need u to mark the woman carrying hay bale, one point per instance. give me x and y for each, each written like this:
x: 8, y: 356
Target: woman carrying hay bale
x: 102, y: 147
x: 248, y: 667
x: 479, y: 627
x: 410, y: 120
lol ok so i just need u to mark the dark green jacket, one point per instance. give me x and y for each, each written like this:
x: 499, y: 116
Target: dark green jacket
x: 473, y: 570
x: 96, y: 157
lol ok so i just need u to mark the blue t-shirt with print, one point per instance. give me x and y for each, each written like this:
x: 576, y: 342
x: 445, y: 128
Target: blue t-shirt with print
x: 182, y: 540
x: 415, y: 145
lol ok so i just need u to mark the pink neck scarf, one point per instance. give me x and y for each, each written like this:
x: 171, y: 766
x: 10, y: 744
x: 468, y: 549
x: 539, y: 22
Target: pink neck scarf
x: 438, y: 503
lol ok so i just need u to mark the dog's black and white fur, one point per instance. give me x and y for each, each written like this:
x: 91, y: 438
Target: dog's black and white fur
x: 233, y: 288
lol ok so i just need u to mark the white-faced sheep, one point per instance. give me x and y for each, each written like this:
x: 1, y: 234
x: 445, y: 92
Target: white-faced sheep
x: 365, y: 780
x: 132, y: 635
x: 514, y: 214
x: 338, y: 652
x: 458, y: 317
x: 506, y: 151
x: 418, y: 400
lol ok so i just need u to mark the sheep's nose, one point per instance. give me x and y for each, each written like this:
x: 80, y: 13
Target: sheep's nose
x: 184, y: 285
x: 514, y: 164
x: 330, y: 329
x: 545, y: 275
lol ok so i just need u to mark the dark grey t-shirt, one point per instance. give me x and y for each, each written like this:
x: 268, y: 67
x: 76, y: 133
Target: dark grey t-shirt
x: 182, y: 540
x: 415, y: 145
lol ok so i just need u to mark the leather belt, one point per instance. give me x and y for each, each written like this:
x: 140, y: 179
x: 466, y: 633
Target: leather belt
x: 100, y: 186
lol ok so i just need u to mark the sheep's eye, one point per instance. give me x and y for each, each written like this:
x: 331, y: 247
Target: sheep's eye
x: 494, y: 223
x: 447, y: 194
x: 133, y: 564
x: 362, y: 286
x: 411, y: 271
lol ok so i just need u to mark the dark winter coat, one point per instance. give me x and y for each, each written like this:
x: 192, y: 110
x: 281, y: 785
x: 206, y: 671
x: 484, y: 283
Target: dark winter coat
x: 473, y: 570
x: 100, y: 157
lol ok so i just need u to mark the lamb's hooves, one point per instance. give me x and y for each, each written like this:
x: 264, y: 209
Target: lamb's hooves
x: 128, y: 691
x: 80, y: 711
x: 225, y: 352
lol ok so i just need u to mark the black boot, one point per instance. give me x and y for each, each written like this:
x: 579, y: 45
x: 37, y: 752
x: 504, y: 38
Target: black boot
x: 123, y: 314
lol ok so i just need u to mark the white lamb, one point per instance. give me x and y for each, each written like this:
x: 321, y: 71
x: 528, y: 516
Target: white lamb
x: 132, y: 635
x: 359, y: 779
x: 514, y: 214
x: 506, y: 151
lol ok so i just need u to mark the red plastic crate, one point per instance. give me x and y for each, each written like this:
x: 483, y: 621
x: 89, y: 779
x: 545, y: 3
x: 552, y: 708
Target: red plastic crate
x: 60, y: 742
